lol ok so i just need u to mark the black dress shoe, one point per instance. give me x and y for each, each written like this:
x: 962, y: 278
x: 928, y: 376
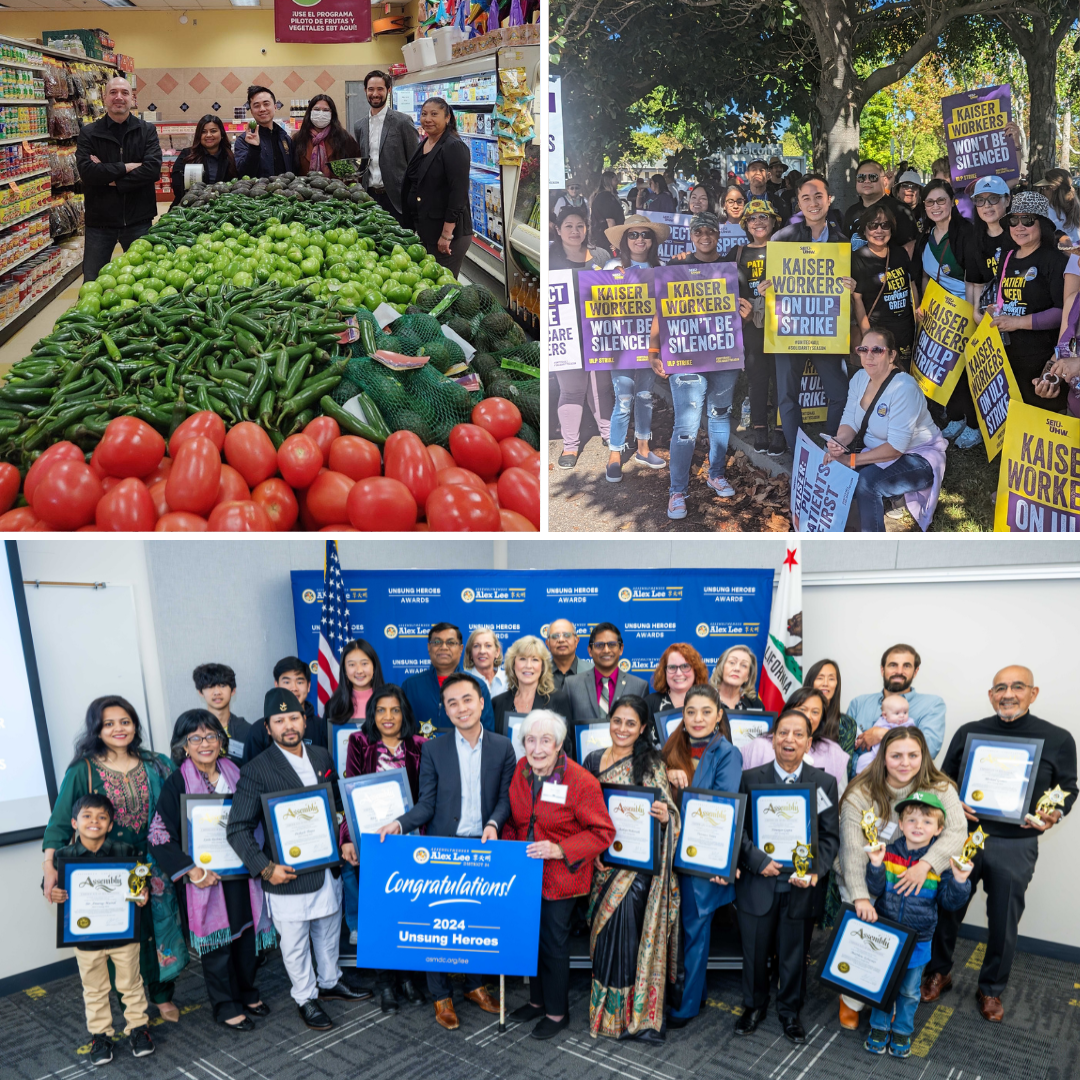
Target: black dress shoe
x: 246, y: 1024
x: 793, y: 1030
x: 747, y: 1024
x: 676, y: 1022
x: 312, y: 1014
x: 411, y: 994
x: 262, y: 1009
x: 548, y: 1028
x: 526, y: 1013
x: 387, y: 1001
x: 341, y: 992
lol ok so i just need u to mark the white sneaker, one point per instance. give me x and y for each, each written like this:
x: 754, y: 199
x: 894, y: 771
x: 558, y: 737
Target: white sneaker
x: 970, y: 437
x: 953, y: 429
x: 720, y: 485
x: 352, y: 938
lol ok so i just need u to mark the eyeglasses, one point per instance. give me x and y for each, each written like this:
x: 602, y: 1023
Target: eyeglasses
x: 563, y: 636
x: 935, y: 202
x: 734, y: 202
x: 871, y: 350
x: 195, y: 740
x: 986, y: 200
x: 633, y: 235
x: 1026, y: 220
x: 439, y: 642
x: 679, y: 669
x: 572, y: 187
x: 868, y: 178
x: 879, y: 226
x: 759, y: 219
x: 606, y: 646
x: 1016, y: 688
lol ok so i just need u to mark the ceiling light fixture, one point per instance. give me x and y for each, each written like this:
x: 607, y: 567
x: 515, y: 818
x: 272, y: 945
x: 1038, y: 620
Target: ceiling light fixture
x: 118, y: 3
x: 245, y: 3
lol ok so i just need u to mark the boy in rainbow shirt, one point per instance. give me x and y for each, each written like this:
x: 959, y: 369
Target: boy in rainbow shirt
x: 922, y: 819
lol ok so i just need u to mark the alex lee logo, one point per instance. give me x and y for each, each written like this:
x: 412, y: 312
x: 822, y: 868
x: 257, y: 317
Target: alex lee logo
x: 702, y: 629
x: 625, y: 595
x: 109, y: 883
x: 390, y: 631
x: 421, y: 855
x: 308, y: 596
x: 787, y: 810
x: 876, y: 941
x: 308, y: 812
x: 624, y: 665
x: 468, y: 595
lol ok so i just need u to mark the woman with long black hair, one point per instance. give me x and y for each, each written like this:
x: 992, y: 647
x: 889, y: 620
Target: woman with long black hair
x: 322, y: 138
x: 209, y: 148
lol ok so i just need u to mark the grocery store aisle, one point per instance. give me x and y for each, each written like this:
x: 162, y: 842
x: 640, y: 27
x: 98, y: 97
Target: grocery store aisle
x: 19, y: 345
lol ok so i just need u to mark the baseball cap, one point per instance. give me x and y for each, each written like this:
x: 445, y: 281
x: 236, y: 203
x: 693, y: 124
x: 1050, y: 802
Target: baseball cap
x: 922, y: 798
x: 705, y: 220
x: 987, y: 185
x: 910, y: 177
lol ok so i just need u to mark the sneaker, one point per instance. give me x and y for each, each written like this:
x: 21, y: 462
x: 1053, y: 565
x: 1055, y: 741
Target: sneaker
x: 567, y: 461
x: 952, y: 429
x: 676, y: 506
x: 614, y: 472
x: 761, y: 439
x: 649, y: 460
x: 352, y: 937
x: 141, y: 1043
x: 900, y: 1045
x: 101, y: 1048
x: 970, y: 437
x: 777, y: 443
x: 877, y: 1042
x: 720, y: 485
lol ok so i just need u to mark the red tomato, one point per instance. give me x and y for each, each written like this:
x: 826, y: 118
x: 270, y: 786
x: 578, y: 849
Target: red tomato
x: 307, y: 522
x: 519, y: 490
x: 18, y: 520
x: 493, y: 491
x: 95, y: 464
x: 324, y: 430
x: 338, y: 528
x: 43, y: 526
x: 515, y: 452
x: 107, y: 482
x: 512, y: 521
x: 67, y: 494
x: 279, y: 502
x: 180, y: 521
x: 61, y: 451
x: 326, y: 498
x: 476, y: 449
x: 157, y: 493
x: 497, y: 415
x: 201, y: 423
x: 381, y: 504
x: 127, y: 507
x: 454, y: 475
x: 160, y: 473
x: 88, y: 528
x: 240, y: 516
x: 195, y: 476
x: 232, y: 487
x: 299, y: 460
x: 9, y: 486
x: 458, y: 508
x: 129, y: 447
x: 248, y: 449
x: 407, y: 459
x: 355, y: 457
x: 442, y: 459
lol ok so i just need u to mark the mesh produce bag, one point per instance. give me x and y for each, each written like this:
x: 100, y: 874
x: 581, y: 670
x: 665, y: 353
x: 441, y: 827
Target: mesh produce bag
x: 443, y: 402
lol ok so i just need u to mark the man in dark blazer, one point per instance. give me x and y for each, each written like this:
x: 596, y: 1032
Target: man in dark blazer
x: 305, y: 906
x: 290, y: 673
x: 444, y: 645
x: 593, y: 692
x: 464, y: 792
x: 387, y: 139
x: 773, y: 907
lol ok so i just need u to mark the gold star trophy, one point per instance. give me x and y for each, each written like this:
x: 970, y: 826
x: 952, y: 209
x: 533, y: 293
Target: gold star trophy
x: 801, y: 856
x: 868, y: 822
x: 1051, y: 800
x: 138, y: 880
x: 973, y: 843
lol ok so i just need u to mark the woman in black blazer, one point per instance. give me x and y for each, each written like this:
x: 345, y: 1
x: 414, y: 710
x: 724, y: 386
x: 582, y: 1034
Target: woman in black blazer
x: 435, y: 192
x: 211, y: 149
x: 529, y: 668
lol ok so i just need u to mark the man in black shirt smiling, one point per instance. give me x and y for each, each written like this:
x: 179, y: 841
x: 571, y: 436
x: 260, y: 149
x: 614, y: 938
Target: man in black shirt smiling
x: 1006, y: 864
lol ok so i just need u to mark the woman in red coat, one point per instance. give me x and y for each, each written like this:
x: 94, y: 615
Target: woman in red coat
x: 557, y: 807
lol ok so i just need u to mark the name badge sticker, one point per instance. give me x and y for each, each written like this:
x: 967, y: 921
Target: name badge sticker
x: 555, y: 793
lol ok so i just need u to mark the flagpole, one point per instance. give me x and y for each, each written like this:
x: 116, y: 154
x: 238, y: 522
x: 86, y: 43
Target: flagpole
x: 502, y: 1004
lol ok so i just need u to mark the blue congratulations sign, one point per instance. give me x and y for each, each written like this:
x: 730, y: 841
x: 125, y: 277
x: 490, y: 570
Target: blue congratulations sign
x: 445, y: 904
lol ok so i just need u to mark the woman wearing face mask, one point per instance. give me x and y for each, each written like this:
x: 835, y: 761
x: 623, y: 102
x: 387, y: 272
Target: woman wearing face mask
x: 322, y: 138
x: 734, y: 679
x: 211, y: 149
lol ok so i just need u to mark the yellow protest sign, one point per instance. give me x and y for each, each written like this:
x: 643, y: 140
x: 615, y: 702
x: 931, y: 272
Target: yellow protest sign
x: 808, y: 309
x: 938, y: 357
x: 1039, y: 483
x: 992, y: 382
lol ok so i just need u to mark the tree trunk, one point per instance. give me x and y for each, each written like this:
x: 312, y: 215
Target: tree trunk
x: 1066, y: 139
x: 840, y: 132
x: 1042, y: 86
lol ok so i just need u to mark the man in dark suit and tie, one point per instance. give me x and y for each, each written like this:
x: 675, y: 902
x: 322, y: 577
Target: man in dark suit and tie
x: 423, y: 690
x: 592, y: 692
x: 776, y: 908
x: 305, y: 906
x: 464, y: 792
x: 387, y: 139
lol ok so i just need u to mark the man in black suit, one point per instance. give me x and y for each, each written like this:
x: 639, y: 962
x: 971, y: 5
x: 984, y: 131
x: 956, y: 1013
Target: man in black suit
x: 464, y: 791
x: 388, y: 139
x: 305, y: 906
x: 774, y: 906
x: 290, y: 673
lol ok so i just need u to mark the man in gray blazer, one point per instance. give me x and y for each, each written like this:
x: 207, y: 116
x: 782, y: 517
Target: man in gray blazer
x: 593, y: 692
x: 387, y: 139
x: 562, y: 643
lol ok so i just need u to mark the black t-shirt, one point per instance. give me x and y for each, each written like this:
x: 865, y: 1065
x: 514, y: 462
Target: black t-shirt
x: 1031, y: 285
x: 557, y: 259
x: 605, y: 205
x: 894, y: 311
x: 751, y: 264
x: 691, y: 257
x: 905, y: 230
x: 991, y: 251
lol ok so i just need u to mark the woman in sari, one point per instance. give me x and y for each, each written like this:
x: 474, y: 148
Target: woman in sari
x: 634, y: 941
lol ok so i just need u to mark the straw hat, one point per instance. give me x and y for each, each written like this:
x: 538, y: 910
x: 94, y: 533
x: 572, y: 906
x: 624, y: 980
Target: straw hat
x: 636, y: 221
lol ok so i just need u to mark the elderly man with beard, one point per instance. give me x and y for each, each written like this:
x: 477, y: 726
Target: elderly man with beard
x: 899, y: 666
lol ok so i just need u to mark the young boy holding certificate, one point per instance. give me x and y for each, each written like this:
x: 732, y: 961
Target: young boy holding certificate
x: 922, y: 819
x: 92, y: 820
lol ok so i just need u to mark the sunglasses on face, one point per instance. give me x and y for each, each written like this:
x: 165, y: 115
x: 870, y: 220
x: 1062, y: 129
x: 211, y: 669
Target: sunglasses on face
x: 1026, y: 220
x: 871, y: 350
x: 879, y: 226
x: 758, y: 219
x: 868, y: 178
x: 987, y: 200
x: 639, y: 236
x: 935, y: 203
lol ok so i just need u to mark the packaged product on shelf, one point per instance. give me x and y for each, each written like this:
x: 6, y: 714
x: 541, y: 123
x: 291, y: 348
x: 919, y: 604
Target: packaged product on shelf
x: 17, y: 159
x: 63, y: 120
x: 62, y: 167
x: 66, y: 215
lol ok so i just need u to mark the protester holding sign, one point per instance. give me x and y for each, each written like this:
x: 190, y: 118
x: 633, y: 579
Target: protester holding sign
x: 908, y: 191
x: 557, y: 808
x: 699, y: 200
x: 887, y: 435
x: 946, y: 251
x: 734, y: 679
x: 680, y: 667
x: 634, y: 915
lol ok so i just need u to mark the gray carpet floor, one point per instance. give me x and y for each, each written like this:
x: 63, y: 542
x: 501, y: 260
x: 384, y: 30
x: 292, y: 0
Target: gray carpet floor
x: 43, y: 1037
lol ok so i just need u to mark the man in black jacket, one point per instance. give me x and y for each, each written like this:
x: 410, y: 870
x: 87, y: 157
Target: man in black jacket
x: 1007, y: 863
x: 305, y: 906
x: 290, y: 673
x: 119, y: 160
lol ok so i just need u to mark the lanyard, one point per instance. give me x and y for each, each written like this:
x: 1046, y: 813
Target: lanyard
x: 1001, y: 278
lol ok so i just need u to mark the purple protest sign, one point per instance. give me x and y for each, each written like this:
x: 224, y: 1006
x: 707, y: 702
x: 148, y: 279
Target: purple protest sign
x: 975, y: 134
x: 700, y: 328
x: 617, y: 312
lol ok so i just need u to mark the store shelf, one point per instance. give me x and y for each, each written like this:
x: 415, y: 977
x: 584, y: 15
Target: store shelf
x: 22, y: 138
x: 66, y: 277
x: 22, y: 258
x: 491, y: 169
x: 478, y: 135
x: 26, y: 217
x: 23, y: 101
x: 19, y: 67
x: 59, y: 54
x: 24, y: 177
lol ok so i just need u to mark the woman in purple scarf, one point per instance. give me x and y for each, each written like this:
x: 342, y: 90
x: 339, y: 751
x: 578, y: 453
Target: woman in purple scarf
x: 228, y: 920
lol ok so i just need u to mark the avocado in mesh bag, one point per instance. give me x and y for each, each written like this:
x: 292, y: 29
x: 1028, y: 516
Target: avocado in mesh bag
x: 444, y: 353
x: 487, y: 301
x: 497, y: 324
x: 425, y: 327
x: 529, y: 353
x: 526, y: 396
x: 468, y: 302
x: 500, y: 386
x: 530, y: 435
x: 485, y: 365
x: 444, y: 402
x: 411, y: 342
x: 344, y: 390
x: 462, y: 327
x: 427, y: 299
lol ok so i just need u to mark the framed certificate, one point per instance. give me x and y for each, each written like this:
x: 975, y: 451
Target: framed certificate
x: 97, y: 909
x: 666, y: 722
x: 374, y: 800
x: 301, y: 825
x: 637, y: 833
x: 591, y: 737
x: 781, y: 816
x: 513, y: 732
x: 712, y: 825
x: 203, y: 821
x: 865, y: 960
x: 997, y: 775
x: 337, y: 735
x: 748, y: 726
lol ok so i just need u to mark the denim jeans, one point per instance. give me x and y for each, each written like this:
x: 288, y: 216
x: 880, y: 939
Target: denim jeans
x: 99, y: 244
x: 789, y: 369
x: 689, y: 394
x: 631, y: 388
x: 909, y: 472
x: 902, y: 1019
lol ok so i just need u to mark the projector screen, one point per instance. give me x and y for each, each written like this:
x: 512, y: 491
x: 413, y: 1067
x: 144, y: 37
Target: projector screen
x: 27, y: 783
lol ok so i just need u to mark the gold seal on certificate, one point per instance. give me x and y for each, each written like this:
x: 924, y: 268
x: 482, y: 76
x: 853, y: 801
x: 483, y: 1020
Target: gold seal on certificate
x: 303, y: 825
x: 1051, y: 800
x: 801, y: 855
x: 972, y: 844
x: 869, y: 824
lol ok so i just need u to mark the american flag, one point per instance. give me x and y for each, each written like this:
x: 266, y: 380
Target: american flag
x: 334, y: 629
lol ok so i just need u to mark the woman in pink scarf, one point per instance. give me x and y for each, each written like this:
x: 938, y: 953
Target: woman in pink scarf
x: 228, y: 920
x: 322, y: 139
